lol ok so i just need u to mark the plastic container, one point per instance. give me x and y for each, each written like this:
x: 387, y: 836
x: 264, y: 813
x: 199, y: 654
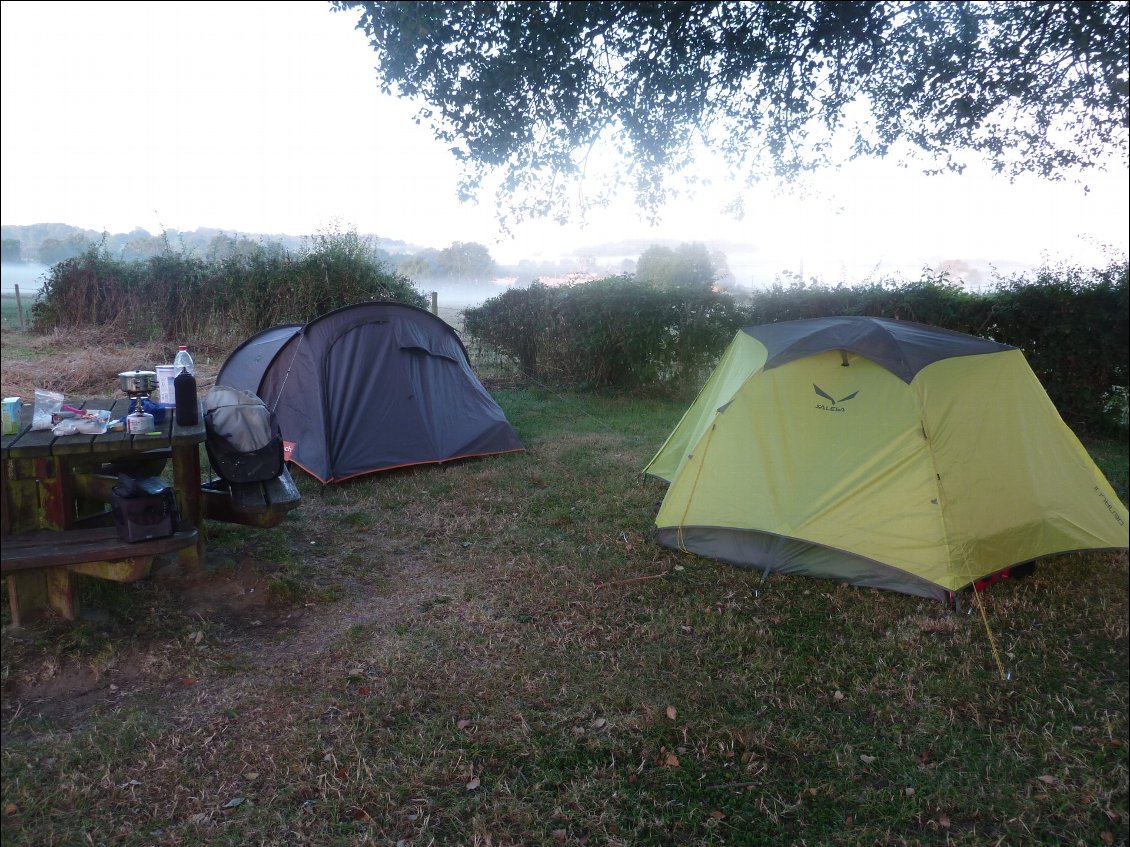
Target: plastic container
x: 11, y: 415
x: 183, y: 361
x: 165, y: 376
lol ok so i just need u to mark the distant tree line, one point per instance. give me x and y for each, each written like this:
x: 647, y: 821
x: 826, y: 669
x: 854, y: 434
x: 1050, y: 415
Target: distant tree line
x: 687, y: 265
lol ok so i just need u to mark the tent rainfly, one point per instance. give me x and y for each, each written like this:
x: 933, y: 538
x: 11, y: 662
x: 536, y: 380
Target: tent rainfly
x: 879, y: 453
x: 370, y: 387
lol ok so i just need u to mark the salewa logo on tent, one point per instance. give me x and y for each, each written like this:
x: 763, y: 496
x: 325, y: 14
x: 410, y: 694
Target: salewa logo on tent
x: 835, y: 407
x: 1110, y: 507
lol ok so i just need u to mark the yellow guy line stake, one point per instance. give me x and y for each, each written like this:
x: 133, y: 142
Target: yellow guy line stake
x: 989, y: 631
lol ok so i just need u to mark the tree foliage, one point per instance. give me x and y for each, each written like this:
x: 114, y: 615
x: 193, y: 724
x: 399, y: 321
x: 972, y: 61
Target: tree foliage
x: 687, y: 267
x: 530, y: 88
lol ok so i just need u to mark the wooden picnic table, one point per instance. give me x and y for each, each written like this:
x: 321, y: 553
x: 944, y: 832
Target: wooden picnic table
x: 62, y: 484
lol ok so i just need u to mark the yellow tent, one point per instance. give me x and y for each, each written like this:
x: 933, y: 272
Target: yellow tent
x: 880, y: 453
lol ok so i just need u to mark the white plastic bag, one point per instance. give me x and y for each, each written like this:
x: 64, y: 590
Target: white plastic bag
x: 47, y: 405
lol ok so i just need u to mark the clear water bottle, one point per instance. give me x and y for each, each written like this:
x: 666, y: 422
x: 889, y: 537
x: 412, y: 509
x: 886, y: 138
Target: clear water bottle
x: 183, y: 361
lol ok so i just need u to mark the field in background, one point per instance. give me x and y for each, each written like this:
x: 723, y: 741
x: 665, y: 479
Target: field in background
x: 497, y: 653
x: 9, y: 313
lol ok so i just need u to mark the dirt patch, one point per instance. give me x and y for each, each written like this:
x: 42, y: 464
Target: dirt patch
x: 230, y: 630
x: 241, y: 597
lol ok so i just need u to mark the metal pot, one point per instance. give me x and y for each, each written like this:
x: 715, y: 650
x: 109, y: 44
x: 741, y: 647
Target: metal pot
x: 138, y: 382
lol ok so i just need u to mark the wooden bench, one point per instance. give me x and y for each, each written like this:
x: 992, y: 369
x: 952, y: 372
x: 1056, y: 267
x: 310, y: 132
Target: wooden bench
x: 261, y: 504
x: 40, y: 566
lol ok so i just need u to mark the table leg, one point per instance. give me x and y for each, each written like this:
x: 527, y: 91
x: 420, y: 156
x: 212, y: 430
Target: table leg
x: 22, y: 511
x: 186, y: 482
x: 56, y: 493
x: 27, y: 596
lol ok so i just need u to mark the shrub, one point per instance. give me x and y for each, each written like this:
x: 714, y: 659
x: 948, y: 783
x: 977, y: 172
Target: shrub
x: 1072, y: 324
x: 175, y: 297
x: 610, y: 333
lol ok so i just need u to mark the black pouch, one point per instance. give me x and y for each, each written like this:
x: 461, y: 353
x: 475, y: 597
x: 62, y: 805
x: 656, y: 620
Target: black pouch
x: 143, y: 508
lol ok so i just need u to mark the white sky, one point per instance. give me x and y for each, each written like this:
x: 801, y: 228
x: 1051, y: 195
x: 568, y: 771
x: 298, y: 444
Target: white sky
x: 266, y: 118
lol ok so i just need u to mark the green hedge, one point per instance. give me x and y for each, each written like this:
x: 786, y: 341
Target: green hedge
x: 1071, y: 323
x: 611, y: 333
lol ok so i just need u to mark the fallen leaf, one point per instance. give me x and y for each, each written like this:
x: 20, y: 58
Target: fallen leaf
x: 559, y: 834
x: 252, y: 775
x: 359, y: 814
x: 717, y: 815
x: 363, y: 690
x: 867, y: 759
x: 909, y: 792
x: 473, y: 784
x: 672, y: 761
x: 463, y: 723
x: 1115, y: 817
x: 839, y: 695
x: 671, y: 712
x: 233, y: 802
x: 944, y: 821
x: 11, y: 809
x: 599, y: 723
x: 1107, y: 837
x: 188, y: 680
x: 1047, y: 779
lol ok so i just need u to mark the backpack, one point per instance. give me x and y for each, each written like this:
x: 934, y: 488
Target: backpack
x: 242, y: 436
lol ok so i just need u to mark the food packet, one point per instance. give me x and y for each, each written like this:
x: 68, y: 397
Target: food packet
x: 47, y: 405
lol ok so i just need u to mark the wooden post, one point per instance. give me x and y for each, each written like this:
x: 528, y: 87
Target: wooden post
x: 19, y: 307
x: 435, y: 303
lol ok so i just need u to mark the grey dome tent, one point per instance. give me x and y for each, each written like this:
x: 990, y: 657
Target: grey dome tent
x: 370, y: 387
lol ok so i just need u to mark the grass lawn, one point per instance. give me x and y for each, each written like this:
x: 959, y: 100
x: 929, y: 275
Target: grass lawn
x: 497, y: 653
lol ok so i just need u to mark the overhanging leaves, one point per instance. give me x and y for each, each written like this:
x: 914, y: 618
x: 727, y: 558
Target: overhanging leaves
x: 528, y: 89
